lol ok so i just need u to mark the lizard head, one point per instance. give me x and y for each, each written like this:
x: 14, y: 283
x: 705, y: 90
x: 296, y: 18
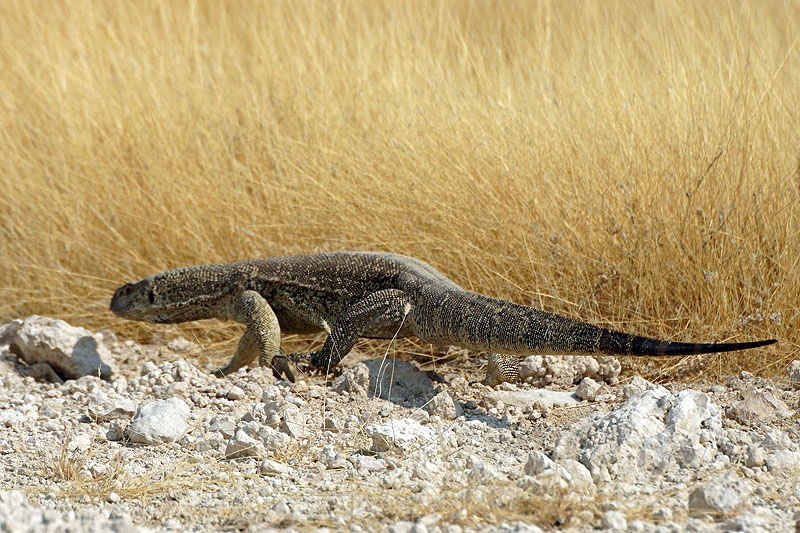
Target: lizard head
x: 178, y: 295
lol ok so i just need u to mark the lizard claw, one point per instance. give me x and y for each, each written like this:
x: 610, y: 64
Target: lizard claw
x: 308, y: 360
x: 281, y: 366
x: 302, y: 358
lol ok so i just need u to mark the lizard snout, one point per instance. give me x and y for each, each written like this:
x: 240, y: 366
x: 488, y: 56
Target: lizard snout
x: 120, y: 299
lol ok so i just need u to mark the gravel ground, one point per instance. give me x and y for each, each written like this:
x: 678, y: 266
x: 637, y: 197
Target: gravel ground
x: 162, y: 445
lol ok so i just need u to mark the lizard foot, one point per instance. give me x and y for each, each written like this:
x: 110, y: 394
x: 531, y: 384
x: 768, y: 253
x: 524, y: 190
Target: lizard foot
x: 222, y: 371
x: 501, y: 368
x: 309, y: 361
x: 282, y: 366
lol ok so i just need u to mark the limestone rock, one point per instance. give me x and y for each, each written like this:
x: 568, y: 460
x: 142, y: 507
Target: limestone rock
x: 588, y: 389
x: 244, y: 444
x: 401, y: 436
x: 757, y: 407
x: 793, y: 372
x: 70, y: 351
x: 637, y: 385
x: 105, y: 409
x: 270, y: 467
x: 643, y: 437
x: 542, y: 370
x: 614, y: 520
x: 527, y: 398
x: 442, y: 405
x: 158, y: 421
x: 722, y: 495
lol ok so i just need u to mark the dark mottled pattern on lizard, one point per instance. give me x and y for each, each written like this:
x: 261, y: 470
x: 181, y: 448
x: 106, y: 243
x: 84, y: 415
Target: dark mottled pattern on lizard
x: 374, y: 295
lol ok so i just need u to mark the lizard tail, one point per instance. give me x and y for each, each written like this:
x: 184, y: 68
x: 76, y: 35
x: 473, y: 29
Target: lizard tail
x: 483, y: 323
x: 615, y: 342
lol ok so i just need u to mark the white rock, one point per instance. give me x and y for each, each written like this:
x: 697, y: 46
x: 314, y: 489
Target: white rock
x: 776, y: 440
x: 581, y: 477
x: 354, y: 380
x: 72, y: 352
x: 537, y: 463
x: 116, y: 431
x: 637, y: 526
x: 80, y: 443
x: 180, y: 345
x: 333, y: 459
x: 177, y: 388
x: 637, y: 385
x: 120, y: 385
x: 224, y: 426
x: 281, y: 508
x: 293, y: 420
x: 388, y: 379
x: 401, y: 436
x: 721, y: 495
x: 542, y: 370
x: 268, y: 466
x: 370, y: 464
x: 210, y: 443
x: 793, y: 372
x: 235, y: 393
x: 105, y: 409
x: 749, y: 522
x: 11, y: 418
x: 19, y: 515
x: 614, y: 520
x: 271, y: 393
x: 693, y: 454
x: 273, y: 440
x: 691, y: 410
x: 544, y: 474
x: 481, y: 471
x: 158, y: 421
x: 401, y: 526
x: 527, y: 398
x: 758, y: 407
x: 244, y: 444
x: 443, y: 406
x: 755, y: 456
x: 279, y: 414
x: 587, y: 390
x: 783, y: 460
x: 641, y: 438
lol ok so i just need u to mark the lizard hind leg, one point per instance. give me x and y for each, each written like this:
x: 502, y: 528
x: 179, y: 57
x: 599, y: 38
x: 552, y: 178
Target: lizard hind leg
x: 381, y: 314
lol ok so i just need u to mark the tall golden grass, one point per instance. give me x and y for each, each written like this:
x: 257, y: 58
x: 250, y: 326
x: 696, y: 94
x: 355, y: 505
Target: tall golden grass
x: 630, y: 163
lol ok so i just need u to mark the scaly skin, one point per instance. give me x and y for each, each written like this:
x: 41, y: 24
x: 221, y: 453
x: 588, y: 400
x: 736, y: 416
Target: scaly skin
x: 374, y: 295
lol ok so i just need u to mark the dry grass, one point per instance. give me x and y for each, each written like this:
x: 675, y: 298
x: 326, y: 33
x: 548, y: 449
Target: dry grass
x: 630, y: 163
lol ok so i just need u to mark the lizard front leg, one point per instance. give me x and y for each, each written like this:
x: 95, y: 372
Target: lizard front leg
x: 262, y: 337
x: 381, y: 313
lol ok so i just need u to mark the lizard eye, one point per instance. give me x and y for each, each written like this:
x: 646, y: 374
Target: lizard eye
x: 151, y: 297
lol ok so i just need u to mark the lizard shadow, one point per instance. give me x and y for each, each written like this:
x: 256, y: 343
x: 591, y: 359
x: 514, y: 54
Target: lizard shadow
x: 405, y: 385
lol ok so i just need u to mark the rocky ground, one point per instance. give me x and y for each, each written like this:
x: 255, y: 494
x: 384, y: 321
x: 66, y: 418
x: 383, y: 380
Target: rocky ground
x: 102, y: 435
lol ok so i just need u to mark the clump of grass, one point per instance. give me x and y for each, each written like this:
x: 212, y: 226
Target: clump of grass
x: 634, y: 165
x: 75, y: 480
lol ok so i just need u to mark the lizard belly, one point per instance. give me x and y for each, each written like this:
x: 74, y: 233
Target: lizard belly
x: 393, y: 332
x: 294, y: 324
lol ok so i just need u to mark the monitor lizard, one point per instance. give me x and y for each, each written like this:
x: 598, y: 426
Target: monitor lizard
x: 351, y: 295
